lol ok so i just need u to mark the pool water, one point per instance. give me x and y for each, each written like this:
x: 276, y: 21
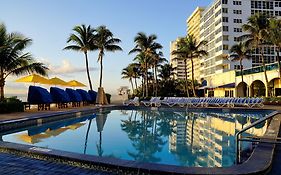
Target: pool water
x: 184, y: 138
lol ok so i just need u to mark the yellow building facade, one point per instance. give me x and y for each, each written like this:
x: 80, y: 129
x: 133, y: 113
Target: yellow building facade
x: 193, y: 28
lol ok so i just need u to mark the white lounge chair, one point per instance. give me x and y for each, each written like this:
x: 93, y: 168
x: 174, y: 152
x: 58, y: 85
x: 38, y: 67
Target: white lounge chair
x: 134, y: 101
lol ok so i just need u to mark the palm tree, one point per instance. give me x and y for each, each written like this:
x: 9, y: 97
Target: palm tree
x: 105, y: 41
x: 147, y: 46
x: 275, y: 38
x: 238, y: 53
x: 136, y: 72
x: 128, y: 73
x: 14, y: 61
x: 166, y: 72
x: 189, y: 48
x: 157, y: 60
x: 257, y: 29
x: 142, y: 63
x: 82, y: 40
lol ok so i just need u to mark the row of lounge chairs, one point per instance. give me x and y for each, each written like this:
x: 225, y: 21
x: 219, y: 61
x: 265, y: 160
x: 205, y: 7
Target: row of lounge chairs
x: 199, y: 102
x: 43, y: 99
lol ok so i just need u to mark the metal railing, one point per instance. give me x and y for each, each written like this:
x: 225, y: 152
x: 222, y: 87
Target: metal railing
x: 258, y: 69
x: 254, y: 139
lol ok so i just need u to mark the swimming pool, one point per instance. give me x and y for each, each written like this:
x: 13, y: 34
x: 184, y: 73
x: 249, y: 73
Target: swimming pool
x: 198, y: 138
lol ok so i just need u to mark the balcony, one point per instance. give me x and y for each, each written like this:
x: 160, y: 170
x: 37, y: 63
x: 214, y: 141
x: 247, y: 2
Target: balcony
x: 258, y: 69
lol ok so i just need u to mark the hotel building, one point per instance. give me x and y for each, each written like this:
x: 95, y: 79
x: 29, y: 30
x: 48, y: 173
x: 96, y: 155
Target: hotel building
x: 221, y: 25
x: 193, y: 23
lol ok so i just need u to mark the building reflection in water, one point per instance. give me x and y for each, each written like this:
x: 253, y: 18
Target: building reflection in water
x: 209, y: 137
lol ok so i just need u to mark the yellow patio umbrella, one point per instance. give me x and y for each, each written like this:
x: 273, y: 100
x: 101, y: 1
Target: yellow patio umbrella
x: 34, y: 78
x: 57, y: 81
x: 74, y: 83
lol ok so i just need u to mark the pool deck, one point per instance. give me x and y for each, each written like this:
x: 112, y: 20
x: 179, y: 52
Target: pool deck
x: 14, y: 164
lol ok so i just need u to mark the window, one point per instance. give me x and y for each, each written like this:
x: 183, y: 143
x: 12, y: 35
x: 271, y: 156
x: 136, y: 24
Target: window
x: 228, y: 93
x: 277, y: 13
x: 277, y: 4
x: 210, y: 93
x: 238, y: 30
x: 225, y: 28
x: 225, y: 37
x: 237, y: 20
x: 224, y: 10
x: 237, y: 11
x: 237, y: 67
x: 237, y: 2
x: 224, y: 1
x: 237, y: 39
x: 225, y: 47
x: 224, y: 19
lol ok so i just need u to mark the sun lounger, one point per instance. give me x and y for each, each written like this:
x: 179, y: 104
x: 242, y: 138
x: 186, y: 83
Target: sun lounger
x: 93, y: 95
x: 154, y: 101
x: 40, y: 97
x: 74, y: 96
x: 60, y: 97
x: 134, y: 101
x: 86, y: 98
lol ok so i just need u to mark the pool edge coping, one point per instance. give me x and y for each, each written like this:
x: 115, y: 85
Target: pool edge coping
x: 249, y: 167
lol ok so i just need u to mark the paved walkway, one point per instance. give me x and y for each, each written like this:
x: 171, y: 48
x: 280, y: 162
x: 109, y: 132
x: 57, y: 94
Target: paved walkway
x: 15, y: 165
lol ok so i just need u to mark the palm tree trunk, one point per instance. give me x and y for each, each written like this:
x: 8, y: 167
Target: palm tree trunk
x: 136, y: 83
x: 101, y: 68
x: 87, y: 135
x: 278, y: 61
x: 143, y: 84
x: 132, y: 85
x: 156, y: 81
x: 192, y: 77
x: 265, y: 74
x: 185, y: 73
x: 146, y: 80
x: 241, y: 70
x: 88, y: 72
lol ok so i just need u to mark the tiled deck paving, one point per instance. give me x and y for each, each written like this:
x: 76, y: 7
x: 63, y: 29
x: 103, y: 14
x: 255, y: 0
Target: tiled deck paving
x: 13, y: 164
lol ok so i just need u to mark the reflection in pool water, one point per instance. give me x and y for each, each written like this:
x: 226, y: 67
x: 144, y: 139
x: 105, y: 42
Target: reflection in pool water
x: 185, y: 138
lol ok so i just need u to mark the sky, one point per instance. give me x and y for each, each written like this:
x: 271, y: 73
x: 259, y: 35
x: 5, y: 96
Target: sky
x: 49, y: 23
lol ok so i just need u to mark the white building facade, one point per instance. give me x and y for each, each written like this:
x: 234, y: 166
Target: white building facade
x: 221, y: 25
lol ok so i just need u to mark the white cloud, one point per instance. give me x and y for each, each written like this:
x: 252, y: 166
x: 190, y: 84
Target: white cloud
x: 66, y: 68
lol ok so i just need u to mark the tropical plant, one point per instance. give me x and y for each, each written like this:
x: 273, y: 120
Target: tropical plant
x: 157, y: 60
x: 189, y: 48
x: 275, y: 38
x: 166, y: 72
x: 257, y: 33
x: 13, y: 59
x: 145, y: 47
x: 238, y: 52
x: 128, y: 73
x: 82, y: 40
x: 105, y: 41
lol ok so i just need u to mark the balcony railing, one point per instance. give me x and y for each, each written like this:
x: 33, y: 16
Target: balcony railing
x: 258, y: 69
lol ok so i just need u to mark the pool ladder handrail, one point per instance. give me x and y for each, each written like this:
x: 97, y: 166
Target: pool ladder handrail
x: 254, y: 139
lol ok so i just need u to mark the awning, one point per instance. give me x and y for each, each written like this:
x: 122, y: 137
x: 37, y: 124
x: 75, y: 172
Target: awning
x: 207, y: 87
x: 230, y: 85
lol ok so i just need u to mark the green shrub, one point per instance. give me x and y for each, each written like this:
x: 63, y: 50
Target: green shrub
x: 11, y: 105
x: 108, y: 96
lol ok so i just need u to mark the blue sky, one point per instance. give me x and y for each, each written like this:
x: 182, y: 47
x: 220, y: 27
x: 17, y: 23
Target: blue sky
x: 50, y: 22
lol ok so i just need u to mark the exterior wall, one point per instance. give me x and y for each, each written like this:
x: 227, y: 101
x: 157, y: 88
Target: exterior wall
x: 193, y: 25
x: 176, y: 63
x: 219, y: 29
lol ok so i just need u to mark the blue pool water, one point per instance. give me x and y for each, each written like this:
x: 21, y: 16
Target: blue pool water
x: 185, y: 138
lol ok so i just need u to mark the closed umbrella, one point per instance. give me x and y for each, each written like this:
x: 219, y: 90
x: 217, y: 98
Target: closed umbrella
x: 74, y: 83
x: 34, y: 78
